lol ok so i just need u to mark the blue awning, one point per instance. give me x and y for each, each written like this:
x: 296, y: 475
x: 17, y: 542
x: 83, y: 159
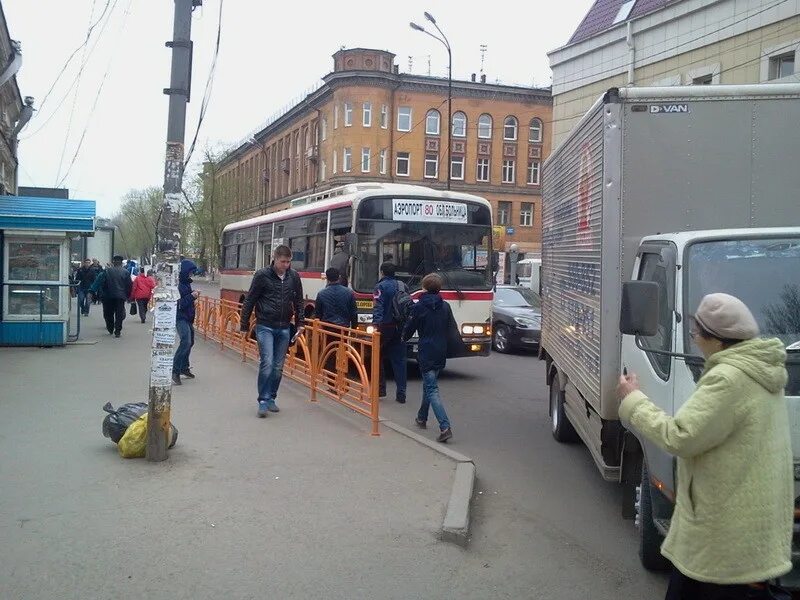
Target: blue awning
x: 56, y: 214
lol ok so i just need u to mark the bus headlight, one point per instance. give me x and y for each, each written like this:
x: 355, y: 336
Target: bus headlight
x: 473, y: 329
x: 370, y: 329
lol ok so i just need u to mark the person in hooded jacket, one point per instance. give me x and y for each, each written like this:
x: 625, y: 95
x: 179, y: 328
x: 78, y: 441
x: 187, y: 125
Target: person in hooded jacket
x: 184, y: 322
x: 431, y: 317
x: 731, y: 529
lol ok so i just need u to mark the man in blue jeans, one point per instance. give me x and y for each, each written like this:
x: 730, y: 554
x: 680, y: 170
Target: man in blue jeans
x: 184, y: 322
x: 431, y: 317
x: 393, y: 349
x: 276, y: 295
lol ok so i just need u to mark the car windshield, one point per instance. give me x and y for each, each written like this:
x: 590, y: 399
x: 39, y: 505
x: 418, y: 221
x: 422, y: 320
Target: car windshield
x: 517, y: 297
x: 763, y: 273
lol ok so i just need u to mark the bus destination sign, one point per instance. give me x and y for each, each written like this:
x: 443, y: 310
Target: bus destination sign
x: 429, y: 210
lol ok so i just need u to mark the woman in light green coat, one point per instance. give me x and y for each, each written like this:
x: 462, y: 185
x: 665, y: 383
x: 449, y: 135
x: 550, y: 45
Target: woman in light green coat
x: 732, y: 524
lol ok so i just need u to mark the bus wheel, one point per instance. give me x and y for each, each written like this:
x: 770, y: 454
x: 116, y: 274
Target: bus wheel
x: 650, y: 539
x: 562, y: 429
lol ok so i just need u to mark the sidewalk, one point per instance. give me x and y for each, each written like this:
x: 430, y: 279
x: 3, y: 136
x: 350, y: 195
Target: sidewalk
x: 301, y: 504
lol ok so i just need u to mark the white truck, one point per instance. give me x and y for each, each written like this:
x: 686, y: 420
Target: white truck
x: 696, y: 190
x: 529, y: 273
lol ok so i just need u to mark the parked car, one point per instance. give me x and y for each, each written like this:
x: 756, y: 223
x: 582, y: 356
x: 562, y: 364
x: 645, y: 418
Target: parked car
x: 516, y: 318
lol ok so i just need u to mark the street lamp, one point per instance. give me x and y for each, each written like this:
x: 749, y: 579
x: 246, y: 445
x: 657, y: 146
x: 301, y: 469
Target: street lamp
x: 514, y: 256
x: 446, y: 43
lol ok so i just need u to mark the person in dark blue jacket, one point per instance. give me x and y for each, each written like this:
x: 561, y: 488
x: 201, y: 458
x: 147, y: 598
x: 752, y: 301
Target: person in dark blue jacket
x: 431, y: 317
x: 184, y: 322
x: 336, y: 303
x: 393, y: 348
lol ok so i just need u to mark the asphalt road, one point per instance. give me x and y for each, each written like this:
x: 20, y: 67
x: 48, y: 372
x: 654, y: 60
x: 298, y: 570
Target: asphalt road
x: 545, y: 524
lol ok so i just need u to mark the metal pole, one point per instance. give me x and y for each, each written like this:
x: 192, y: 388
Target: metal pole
x: 449, y: 114
x: 168, y: 249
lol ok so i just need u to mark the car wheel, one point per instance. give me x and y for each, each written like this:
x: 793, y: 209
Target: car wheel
x: 501, y: 338
x: 561, y: 428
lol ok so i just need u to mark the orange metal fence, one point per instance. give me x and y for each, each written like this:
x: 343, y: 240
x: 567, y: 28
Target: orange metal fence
x: 339, y: 363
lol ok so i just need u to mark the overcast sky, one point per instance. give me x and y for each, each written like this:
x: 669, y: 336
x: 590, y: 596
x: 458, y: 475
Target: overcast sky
x: 271, y: 53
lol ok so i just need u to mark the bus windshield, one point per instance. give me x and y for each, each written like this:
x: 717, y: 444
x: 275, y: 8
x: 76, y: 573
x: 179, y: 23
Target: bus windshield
x: 458, y: 251
x: 763, y: 273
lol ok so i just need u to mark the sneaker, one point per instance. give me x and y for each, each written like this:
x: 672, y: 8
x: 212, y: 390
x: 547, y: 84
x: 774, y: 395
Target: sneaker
x: 187, y: 372
x: 421, y: 424
x: 272, y: 407
x: 110, y: 331
x: 176, y: 379
x: 445, y: 435
x: 400, y: 398
x: 117, y: 334
x: 262, y: 409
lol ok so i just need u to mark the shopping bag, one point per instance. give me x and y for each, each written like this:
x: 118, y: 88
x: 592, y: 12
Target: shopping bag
x: 133, y: 308
x: 118, y: 420
x: 134, y: 442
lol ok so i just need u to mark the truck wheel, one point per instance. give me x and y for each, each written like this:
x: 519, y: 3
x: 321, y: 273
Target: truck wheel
x: 501, y: 339
x: 650, y: 539
x: 562, y: 429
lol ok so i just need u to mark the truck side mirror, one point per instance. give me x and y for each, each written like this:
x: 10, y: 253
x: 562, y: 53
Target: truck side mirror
x: 350, y: 243
x: 639, y: 310
x: 495, y: 261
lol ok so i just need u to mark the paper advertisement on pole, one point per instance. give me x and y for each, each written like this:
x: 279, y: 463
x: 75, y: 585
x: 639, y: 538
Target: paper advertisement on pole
x: 165, y: 314
x: 164, y: 336
x: 161, y: 367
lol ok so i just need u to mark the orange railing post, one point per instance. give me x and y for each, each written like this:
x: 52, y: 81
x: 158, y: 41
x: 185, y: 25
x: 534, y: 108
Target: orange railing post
x: 315, y: 367
x: 375, y: 381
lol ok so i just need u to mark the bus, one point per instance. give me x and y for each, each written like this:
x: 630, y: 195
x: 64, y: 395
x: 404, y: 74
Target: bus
x: 419, y: 229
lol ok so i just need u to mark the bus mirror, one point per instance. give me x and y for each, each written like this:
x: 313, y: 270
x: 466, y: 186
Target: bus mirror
x: 495, y: 261
x: 350, y: 243
x: 639, y: 309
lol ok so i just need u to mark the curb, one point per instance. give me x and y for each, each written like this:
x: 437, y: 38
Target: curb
x: 455, y: 527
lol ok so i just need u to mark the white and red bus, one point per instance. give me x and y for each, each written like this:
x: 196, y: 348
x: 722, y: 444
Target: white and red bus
x: 419, y: 229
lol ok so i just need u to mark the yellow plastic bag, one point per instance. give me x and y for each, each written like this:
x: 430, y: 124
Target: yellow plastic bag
x: 132, y: 444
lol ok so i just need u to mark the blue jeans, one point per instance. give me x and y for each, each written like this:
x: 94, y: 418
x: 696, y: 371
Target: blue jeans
x: 393, y: 350
x: 83, y: 301
x: 431, y: 399
x: 272, y: 346
x: 180, y: 364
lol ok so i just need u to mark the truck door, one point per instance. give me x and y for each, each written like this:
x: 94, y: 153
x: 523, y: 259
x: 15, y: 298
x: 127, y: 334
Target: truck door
x: 656, y: 263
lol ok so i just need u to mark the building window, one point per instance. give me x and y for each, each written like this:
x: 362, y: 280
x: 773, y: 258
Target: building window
x: 432, y: 122
x: 348, y: 114
x: 384, y: 116
x: 533, y: 172
x: 485, y: 127
x: 404, y: 118
x: 365, y: 159
x: 324, y: 128
x: 403, y: 167
x: 459, y: 124
x: 526, y: 214
x: 347, y: 160
x: 510, y: 129
x: 508, y: 171
x: 431, y: 166
x: 382, y: 162
x: 535, y: 130
x: 457, y: 167
x: 336, y: 116
x: 482, y: 172
x: 335, y: 163
x: 366, y: 113
x: 504, y: 213
x: 703, y: 80
x: 781, y: 66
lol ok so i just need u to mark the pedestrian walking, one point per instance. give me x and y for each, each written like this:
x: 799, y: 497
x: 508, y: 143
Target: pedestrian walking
x: 393, y: 349
x: 731, y: 530
x: 97, y: 268
x: 431, y: 317
x: 276, y: 295
x: 141, y: 292
x: 85, y: 277
x: 336, y: 303
x: 184, y: 322
x: 114, y: 286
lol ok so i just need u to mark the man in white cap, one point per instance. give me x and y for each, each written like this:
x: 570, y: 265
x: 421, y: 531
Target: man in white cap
x: 731, y: 529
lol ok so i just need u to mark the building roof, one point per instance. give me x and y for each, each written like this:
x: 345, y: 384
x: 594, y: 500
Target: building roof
x: 603, y: 13
x: 53, y: 214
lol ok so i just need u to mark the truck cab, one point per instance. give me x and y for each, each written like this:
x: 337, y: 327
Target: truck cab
x: 759, y: 266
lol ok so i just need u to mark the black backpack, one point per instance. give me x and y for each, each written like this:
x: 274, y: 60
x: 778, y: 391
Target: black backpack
x: 401, y: 305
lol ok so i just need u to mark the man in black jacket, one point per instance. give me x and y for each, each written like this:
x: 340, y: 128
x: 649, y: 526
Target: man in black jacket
x: 114, y: 285
x: 336, y: 303
x: 276, y: 294
x: 85, y: 277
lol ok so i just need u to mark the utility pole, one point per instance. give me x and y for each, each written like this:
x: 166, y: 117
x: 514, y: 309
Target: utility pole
x: 168, y: 244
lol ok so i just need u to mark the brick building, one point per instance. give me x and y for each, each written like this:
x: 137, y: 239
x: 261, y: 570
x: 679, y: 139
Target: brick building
x: 367, y: 121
